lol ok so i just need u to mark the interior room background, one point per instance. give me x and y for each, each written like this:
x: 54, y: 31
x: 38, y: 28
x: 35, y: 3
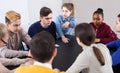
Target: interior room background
x: 29, y: 10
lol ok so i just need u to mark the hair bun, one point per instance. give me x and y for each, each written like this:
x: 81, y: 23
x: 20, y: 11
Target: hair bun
x: 100, y: 10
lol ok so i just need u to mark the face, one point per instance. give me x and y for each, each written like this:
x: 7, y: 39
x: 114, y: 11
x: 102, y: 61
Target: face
x: 119, y: 19
x: 97, y: 19
x: 14, y: 26
x: 46, y: 21
x: 66, y: 13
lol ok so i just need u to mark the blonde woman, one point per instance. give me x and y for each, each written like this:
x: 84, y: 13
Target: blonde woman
x: 66, y: 22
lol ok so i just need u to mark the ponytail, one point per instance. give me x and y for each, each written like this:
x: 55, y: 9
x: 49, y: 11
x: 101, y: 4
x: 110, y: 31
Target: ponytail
x: 99, y: 55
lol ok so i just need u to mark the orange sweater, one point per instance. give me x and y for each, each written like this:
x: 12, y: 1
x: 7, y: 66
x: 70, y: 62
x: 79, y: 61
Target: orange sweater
x: 34, y: 69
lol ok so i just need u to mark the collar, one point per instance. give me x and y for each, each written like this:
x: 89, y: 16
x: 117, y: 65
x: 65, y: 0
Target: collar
x: 10, y: 33
x: 43, y: 64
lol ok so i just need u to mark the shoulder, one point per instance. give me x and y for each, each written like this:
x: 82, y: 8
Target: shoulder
x: 101, y: 46
x: 21, y: 30
x: 53, y: 24
x: 20, y: 69
x: 72, y: 17
x: 60, y: 17
x: 105, y: 25
x: 86, y: 51
x: 33, y: 69
x: 35, y: 24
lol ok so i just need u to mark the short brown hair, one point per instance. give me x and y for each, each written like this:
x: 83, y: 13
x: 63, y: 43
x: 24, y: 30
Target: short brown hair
x: 12, y: 16
x: 45, y: 11
x: 42, y: 46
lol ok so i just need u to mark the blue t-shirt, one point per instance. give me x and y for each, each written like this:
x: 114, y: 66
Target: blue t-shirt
x: 36, y: 28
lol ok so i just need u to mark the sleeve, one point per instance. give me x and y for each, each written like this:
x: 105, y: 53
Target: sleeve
x: 59, y: 26
x: 13, y: 61
x: 54, y: 30
x: 80, y: 63
x: 31, y: 31
x: 110, y: 36
x: 3, y: 69
x: 25, y: 37
x: 8, y: 53
x: 73, y: 22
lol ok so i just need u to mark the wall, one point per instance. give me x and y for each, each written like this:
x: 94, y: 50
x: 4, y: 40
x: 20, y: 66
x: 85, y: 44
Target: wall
x: 19, y: 6
x: 35, y: 5
x: 29, y: 9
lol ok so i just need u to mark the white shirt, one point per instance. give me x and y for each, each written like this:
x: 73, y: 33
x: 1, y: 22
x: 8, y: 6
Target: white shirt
x: 43, y: 64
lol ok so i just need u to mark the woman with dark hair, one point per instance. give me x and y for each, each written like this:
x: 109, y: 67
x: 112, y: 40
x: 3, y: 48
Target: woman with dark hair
x: 104, y: 33
x: 95, y: 58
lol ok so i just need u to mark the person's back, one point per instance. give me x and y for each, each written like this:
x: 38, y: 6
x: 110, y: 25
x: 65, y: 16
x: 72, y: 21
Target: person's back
x: 95, y: 58
x: 94, y: 65
x: 35, y: 69
x: 42, y: 51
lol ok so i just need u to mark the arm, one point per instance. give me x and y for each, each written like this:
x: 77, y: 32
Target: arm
x: 13, y: 61
x: 53, y: 31
x: 73, y: 22
x: 8, y: 53
x: 25, y: 37
x: 109, y: 36
x: 80, y: 63
x: 59, y: 27
x: 58, y: 23
x: 3, y: 69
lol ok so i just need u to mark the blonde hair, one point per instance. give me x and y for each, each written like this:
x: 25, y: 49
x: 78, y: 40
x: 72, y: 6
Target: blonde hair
x: 70, y: 7
x: 3, y: 30
x: 12, y: 16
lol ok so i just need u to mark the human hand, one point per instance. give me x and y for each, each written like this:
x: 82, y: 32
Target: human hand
x: 97, y: 40
x: 66, y: 25
x: 64, y: 39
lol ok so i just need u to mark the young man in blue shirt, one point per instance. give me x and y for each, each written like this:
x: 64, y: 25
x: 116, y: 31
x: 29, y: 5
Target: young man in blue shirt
x: 44, y: 24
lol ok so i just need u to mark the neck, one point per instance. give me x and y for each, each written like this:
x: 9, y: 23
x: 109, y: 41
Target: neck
x: 43, y: 25
x: 50, y: 61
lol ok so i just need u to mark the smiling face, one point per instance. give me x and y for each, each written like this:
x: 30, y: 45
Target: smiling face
x: 97, y: 19
x: 66, y: 13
